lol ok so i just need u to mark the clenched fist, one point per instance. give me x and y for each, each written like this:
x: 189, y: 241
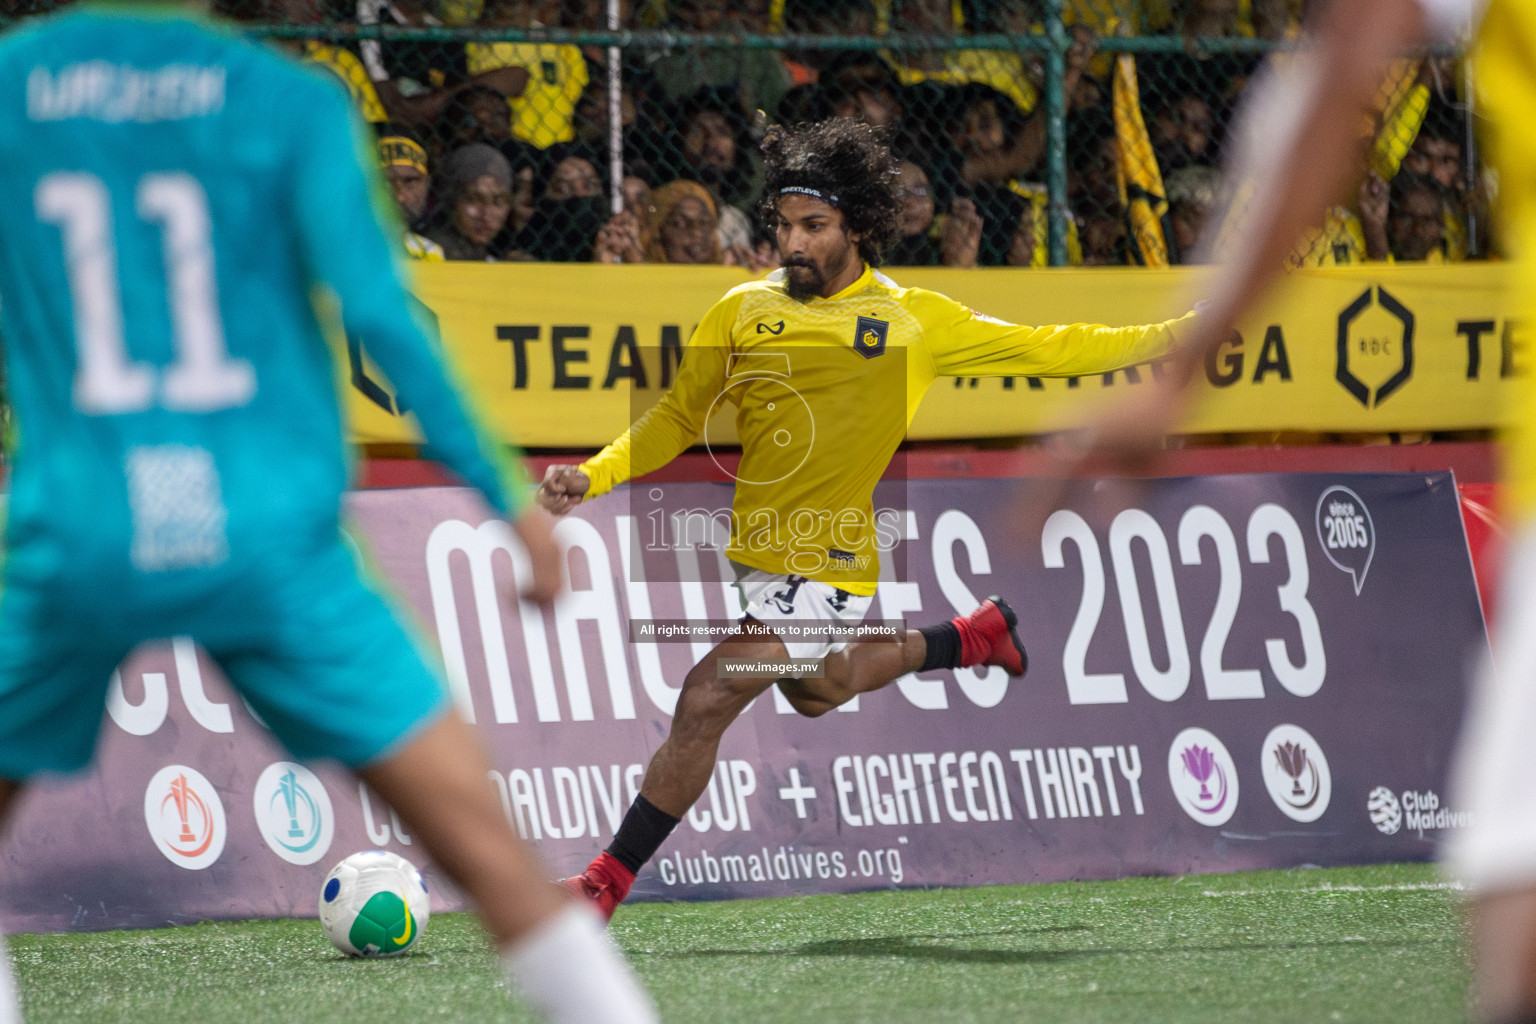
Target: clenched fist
x: 562, y: 488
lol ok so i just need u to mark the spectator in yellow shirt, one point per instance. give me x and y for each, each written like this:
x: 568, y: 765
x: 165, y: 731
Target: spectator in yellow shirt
x: 349, y: 69
x: 343, y: 63
x: 1003, y: 70
x: 542, y: 113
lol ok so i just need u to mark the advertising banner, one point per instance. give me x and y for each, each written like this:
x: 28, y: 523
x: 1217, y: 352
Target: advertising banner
x: 564, y: 355
x: 1225, y: 673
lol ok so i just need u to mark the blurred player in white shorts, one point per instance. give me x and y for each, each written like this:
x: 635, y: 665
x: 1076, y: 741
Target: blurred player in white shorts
x: 1311, y: 145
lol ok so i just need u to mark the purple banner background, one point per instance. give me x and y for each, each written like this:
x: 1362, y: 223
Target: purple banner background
x: 957, y: 778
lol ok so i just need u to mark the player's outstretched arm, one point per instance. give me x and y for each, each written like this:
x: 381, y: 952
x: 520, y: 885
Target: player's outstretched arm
x: 667, y: 428
x: 536, y: 530
x: 962, y: 343
x: 341, y: 211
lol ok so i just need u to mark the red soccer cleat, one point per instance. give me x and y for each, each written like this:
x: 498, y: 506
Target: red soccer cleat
x: 987, y: 637
x: 604, y: 884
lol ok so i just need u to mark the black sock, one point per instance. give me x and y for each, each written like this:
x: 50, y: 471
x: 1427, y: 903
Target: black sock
x: 645, y: 828
x: 943, y: 646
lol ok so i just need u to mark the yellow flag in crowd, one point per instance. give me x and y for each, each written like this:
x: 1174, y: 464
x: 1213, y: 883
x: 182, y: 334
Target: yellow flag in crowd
x: 1141, y: 183
x: 1402, y: 101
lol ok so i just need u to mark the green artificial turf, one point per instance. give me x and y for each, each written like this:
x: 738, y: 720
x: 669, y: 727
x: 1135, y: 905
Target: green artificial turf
x: 1359, y: 944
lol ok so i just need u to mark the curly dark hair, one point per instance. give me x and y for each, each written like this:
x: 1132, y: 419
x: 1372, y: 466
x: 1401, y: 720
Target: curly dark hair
x: 843, y: 158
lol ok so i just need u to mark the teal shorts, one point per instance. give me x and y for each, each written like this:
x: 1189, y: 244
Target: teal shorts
x: 321, y: 656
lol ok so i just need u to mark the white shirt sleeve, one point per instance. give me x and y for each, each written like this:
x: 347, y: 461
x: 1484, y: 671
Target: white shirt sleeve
x: 373, y: 58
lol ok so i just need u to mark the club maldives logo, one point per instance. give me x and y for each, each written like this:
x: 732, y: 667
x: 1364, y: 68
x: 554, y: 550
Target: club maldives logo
x: 1296, y: 773
x: 1203, y: 776
x: 293, y: 812
x: 1419, y: 810
x: 1385, y: 810
x: 185, y: 817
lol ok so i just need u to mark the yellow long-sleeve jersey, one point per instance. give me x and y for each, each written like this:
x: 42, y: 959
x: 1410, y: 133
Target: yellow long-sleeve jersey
x: 1506, y: 85
x: 823, y: 392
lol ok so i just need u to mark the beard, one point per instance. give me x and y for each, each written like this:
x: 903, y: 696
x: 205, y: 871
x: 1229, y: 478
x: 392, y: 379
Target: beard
x: 803, y: 280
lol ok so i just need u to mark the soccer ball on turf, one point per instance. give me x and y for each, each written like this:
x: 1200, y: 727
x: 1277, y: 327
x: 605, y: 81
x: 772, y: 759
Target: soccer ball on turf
x: 374, y: 903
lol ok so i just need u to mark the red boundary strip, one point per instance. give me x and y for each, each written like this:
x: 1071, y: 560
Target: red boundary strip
x: 1485, y: 539
x: 1473, y: 462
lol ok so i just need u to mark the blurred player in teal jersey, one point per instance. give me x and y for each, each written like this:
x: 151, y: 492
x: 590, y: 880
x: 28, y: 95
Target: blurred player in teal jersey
x: 171, y: 199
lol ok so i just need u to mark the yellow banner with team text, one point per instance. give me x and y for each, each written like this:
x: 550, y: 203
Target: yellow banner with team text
x: 562, y: 355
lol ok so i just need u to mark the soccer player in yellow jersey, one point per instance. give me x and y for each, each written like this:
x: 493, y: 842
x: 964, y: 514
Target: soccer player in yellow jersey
x: 826, y: 362
x: 1310, y: 130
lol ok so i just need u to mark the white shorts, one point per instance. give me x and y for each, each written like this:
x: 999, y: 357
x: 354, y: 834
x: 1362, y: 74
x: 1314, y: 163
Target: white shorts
x: 1494, y: 775
x: 787, y: 603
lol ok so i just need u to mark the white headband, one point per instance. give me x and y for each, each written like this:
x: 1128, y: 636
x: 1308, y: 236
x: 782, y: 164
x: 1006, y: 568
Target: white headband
x: 826, y: 197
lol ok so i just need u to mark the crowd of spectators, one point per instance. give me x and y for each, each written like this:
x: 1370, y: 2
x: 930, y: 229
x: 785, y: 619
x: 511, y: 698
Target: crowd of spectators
x: 499, y: 151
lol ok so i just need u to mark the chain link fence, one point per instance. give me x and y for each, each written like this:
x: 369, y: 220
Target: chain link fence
x: 1030, y: 132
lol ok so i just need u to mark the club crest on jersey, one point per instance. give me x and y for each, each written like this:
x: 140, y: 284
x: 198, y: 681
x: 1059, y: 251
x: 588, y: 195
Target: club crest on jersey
x: 869, y: 336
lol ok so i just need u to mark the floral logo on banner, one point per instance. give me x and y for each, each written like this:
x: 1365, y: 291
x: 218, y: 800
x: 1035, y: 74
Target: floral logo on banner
x: 1203, y: 776
x: 1296, y: 773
